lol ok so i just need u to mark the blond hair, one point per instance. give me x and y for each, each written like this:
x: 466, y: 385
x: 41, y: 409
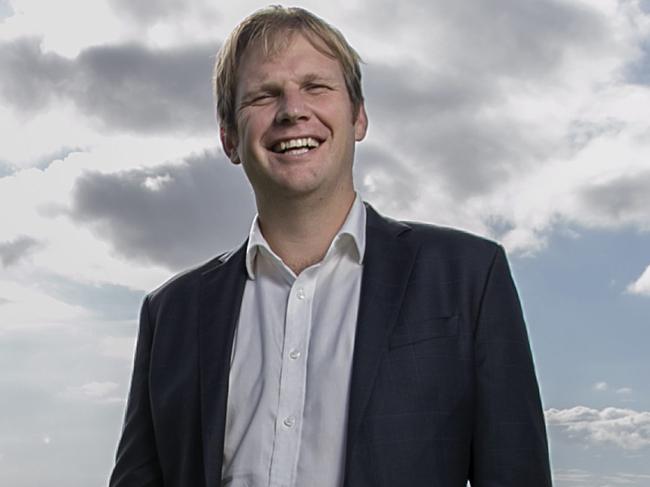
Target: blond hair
x: 263, y: 28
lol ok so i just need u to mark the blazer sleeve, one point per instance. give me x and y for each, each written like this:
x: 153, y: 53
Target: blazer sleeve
x: 509, y: 447
x: 136, y: 460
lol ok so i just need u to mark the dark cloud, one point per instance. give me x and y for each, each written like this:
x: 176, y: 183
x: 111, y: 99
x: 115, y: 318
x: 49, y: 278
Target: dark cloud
x: 31, y: 77
x: 136, y: 88
x: 4, y: 301
x: 447, y: 127
x: 521, y: 39
x: 623, y: 201
x: 125, y: 87
x: 506, y: 37
x: 146, y: 12
x: 174, y: 215
x: 446, y: 118
x: 13, y: 251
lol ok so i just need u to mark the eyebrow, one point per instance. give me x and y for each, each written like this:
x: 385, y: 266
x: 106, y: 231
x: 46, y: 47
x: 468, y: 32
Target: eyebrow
x: 311, y: 77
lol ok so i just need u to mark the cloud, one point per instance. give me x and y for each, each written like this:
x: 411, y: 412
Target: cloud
x: 147, y: 14
x: 625, y: 428
x: 13, y: 251
x: 583, y: 478
x: 6, y: 169
x: 473, y: 116
x: 623, y: 201
x: 604, y: 386
x: 512, y: 126
x: 642, y: 285
x: 5, y: 9
x: 30, y: 76
x: 71, y: 261
x: 106, y: 301
x: 174, y: 214
x: 124, y: 87
x: 94, y: 391
x: 600, y: 386
x: 122, y: 348
x: 24, y: 307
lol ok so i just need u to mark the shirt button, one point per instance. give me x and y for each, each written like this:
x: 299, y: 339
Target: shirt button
x: 301, y: 293
x: 294, y: 354
x: 289, y: 421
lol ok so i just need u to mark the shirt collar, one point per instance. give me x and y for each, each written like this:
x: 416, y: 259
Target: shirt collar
x: 353, y: 229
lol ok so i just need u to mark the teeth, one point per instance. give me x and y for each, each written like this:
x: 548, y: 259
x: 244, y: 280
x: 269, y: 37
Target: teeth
x: 307, y: 142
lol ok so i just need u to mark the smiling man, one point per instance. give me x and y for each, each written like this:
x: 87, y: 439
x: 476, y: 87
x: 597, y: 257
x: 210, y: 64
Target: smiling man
x: 335, y: 347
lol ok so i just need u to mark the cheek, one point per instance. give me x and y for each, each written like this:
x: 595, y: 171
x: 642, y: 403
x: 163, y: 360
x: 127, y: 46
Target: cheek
x: 251, y: 130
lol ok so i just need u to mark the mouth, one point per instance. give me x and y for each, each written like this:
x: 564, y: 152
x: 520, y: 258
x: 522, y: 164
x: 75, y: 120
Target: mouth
x: 295, y: 146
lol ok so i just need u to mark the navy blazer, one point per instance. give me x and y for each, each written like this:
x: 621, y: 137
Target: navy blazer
x: 443, y: 388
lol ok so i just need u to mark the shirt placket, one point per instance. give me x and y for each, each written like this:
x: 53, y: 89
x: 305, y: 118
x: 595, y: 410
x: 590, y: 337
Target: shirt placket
x: 288, y: 425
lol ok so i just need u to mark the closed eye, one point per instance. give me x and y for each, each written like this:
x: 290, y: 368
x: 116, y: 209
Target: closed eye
x: 261, y: 98
x: 258, y: 98
x: 316, y: 88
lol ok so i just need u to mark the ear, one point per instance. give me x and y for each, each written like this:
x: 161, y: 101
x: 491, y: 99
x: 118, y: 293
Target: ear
x: 229, y: 144
x: 361, y: 123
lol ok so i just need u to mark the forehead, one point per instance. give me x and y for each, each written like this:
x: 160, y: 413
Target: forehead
x: 287, y: 53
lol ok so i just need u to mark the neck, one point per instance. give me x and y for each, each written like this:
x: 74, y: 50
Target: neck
x: 300, y: 231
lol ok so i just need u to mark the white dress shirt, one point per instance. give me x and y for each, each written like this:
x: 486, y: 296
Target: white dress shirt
x: 291, y: 364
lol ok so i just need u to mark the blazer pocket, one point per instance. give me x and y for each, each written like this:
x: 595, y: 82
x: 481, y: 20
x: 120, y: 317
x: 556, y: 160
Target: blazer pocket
x: 406, y: 334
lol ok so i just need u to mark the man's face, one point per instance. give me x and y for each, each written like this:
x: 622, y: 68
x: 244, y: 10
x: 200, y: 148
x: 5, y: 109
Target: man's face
x: 295, y: 127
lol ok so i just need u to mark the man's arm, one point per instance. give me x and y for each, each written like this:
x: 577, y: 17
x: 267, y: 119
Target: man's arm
x: 136, y: 462
x: 509, y: 444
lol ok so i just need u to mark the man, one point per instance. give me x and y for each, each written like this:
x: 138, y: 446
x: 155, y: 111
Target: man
x: 336, y: 347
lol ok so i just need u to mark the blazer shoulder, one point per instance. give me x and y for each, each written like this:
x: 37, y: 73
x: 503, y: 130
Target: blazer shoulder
x: 186, y: 281
x: 452, y: 241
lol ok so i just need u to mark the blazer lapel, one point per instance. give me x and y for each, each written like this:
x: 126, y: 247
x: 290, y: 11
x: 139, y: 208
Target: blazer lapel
x: 222, y: 288
x: 387, y: 266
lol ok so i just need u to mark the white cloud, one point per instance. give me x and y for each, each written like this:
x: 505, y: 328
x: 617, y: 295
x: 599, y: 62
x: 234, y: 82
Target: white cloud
x: 583, y: 478
x: 642, y: 285
x: 156, y: 183
x: 625, y: 428
x: 105, y: 22
x: 600, y: 386
x: 52, y: 21
x: 624, y: 391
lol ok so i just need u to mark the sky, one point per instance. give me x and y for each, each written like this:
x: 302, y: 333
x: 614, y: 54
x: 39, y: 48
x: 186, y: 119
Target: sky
x: 525, y: 121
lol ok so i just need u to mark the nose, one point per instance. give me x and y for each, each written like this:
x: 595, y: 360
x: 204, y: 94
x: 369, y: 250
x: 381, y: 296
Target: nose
x: 292, y: 107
